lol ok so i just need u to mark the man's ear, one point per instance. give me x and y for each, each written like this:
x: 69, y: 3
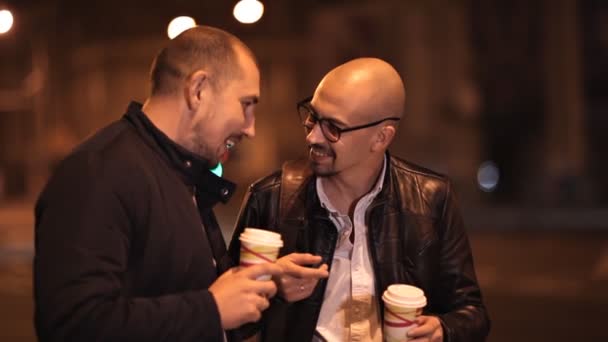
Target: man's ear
x: 384, y: 138
x: 194, y: 89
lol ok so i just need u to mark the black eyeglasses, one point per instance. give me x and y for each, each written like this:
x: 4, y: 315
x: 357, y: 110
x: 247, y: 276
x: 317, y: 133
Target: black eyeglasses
x: 309, y: 118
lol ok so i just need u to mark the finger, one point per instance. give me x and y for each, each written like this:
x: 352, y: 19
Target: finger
x: 255, y: 271
x: 425, y: 327
x: 303, y: 258
x: 296, y: 295
x: 263, y: 303
x: 291, y: 291
x: 307, y: 289
x: 420, y: 331
x: 438, y: 334
x: 310, y: 283
x: 305, y: 272
x: 265, y: 288
x: 255, y: 316
x: 422, y: 319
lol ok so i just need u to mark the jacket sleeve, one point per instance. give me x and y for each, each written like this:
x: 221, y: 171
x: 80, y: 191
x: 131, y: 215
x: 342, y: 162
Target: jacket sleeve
x: 247, y: 217
x: 465, y: 318
x: 259, y: 210
x: 84, y: 235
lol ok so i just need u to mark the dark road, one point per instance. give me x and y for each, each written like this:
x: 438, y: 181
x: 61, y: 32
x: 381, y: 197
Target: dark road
x: 538, y: 286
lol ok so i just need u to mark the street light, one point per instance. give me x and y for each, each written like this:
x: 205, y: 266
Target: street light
x: 6, y: 21
x: 248, y: 11
x: 179, y: 25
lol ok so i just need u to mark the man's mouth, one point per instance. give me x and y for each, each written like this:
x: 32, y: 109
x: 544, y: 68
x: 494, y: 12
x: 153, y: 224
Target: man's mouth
x: 231, y: 142
x: 320, y: 152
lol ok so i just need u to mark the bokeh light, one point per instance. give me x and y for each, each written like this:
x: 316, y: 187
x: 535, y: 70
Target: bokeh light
x: 248, y: 11
x: 179, y: 25
x: 6, y: 21
x: 488, y: 176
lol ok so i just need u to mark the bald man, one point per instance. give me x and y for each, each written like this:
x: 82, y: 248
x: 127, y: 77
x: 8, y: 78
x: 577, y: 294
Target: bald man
x: 371, y: 218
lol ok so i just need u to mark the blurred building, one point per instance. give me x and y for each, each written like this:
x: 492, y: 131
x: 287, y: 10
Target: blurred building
x: 514, y: 82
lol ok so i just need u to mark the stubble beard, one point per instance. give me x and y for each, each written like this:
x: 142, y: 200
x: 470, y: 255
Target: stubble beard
x: 195, y: 143
x: 323, y: 170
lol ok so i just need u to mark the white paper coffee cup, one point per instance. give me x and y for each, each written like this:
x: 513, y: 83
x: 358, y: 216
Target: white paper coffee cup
x: 259, y: 246
x: 402, y: 305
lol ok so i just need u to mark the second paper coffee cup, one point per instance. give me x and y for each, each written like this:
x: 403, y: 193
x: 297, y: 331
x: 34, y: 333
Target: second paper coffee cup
x: 402, y: 305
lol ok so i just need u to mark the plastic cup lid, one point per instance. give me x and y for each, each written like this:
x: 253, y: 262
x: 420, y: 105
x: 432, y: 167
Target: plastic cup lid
x: 261, y: 236
x: 404, y: 295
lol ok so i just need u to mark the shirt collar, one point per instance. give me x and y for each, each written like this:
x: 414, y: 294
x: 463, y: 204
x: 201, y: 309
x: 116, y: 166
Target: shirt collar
x: 193, y: 169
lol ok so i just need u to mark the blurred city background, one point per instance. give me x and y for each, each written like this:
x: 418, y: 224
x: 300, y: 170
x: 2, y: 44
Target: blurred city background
x: 507, y: 97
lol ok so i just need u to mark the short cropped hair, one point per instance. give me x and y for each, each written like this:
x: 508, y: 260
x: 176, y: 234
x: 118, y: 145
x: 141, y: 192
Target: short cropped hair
x: 201, y: 47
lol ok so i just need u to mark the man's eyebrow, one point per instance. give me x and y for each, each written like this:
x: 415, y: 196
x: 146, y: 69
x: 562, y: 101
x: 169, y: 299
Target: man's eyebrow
x: 333, y: 120
x: 253, y: 99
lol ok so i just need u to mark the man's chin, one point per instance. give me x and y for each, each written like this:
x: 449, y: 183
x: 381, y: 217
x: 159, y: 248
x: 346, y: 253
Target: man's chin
x: 322, y: 170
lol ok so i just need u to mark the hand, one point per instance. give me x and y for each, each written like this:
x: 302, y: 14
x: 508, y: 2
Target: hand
x: 297, y: 282
x: 240, y: 298
x: 428, y: 330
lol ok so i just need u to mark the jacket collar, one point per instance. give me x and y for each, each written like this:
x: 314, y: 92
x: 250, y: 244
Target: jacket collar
x: 193, y: 169
x: 371, y: 195
x: 299, y: 182
x: 387, y: 193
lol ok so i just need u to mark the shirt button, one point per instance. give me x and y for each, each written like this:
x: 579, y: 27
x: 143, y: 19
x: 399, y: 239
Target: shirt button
x: 188, y: 163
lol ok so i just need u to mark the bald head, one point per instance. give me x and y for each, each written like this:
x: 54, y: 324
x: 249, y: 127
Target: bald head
x: 370, y: 88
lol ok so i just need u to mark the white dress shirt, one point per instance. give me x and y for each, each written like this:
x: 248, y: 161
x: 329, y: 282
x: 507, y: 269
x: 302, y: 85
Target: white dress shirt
x: 350, y: 310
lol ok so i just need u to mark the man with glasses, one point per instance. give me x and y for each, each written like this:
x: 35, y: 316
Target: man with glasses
x: 373, y: 218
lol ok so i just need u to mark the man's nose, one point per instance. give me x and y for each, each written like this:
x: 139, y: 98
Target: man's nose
x: 315, y: 136
x: 249, y: 129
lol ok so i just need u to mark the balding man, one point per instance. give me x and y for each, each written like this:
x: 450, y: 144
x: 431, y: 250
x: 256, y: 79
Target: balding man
x: 375, y: 219
x: 127, y: 245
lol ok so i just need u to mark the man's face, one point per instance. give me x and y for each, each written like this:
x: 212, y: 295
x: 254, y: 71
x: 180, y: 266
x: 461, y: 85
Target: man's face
x: 351, y: 151
x: 227, y: 116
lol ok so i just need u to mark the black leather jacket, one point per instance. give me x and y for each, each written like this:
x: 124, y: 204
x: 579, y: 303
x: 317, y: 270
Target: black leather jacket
x: 416, y: 236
